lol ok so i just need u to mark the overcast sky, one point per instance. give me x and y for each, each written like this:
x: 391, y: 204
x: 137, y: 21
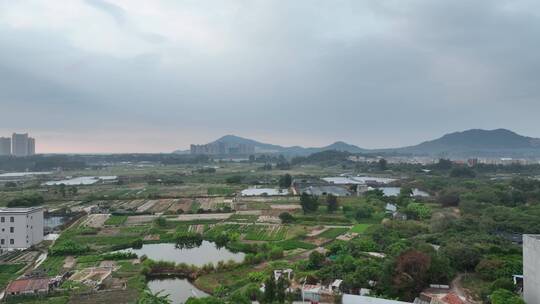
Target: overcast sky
x: 154, y: 76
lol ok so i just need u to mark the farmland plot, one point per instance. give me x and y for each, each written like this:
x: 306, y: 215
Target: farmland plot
x: 266, y: 233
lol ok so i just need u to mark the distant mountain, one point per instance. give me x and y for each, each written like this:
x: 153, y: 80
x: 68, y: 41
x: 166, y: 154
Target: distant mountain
x: 477, y: 142
x: 469, y: 143
x: 294, y: 150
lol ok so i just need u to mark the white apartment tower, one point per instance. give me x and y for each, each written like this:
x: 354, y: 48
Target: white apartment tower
x: 20, y: 228
x: 31, y: 146
x: 5, y: 146
x: 22, y: 145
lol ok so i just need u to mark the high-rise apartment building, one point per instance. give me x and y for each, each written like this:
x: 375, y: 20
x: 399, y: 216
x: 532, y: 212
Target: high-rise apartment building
x: 22, y: 145
x: 31, y: 146
x: 19, y: 144
x: 5, y: 146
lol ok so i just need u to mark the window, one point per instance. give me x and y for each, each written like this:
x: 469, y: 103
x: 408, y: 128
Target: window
x: 11, y: 219
x: 2, y: 219
x: 2, y: 242
x: 11, y: 241
x: 12, y: 229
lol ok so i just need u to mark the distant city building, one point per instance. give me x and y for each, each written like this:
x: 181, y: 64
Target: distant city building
x: 531, y: 268
x: 221, y: 148
x: 5, y: 146
x: 31, y: 146
x: 20, y: 228
x: 22, y: 145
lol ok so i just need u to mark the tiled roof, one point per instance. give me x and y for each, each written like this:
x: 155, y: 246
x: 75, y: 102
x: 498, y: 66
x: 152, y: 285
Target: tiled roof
x: 452, y: 298
x: 27, y: 285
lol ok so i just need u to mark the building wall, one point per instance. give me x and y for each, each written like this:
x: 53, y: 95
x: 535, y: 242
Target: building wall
x: 5, y: 146
x: 220, y: 148
x: 27, y: 225
x: 19, y: 144
x: 31, y: 146
x: 531, y: 269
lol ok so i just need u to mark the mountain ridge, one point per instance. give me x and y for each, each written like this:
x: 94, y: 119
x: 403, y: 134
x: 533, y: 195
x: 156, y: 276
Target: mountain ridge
x: 472, y: 142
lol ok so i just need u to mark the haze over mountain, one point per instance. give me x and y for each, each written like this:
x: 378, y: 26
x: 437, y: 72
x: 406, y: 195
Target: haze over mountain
x: 469, y: 143
x: 477, y: 142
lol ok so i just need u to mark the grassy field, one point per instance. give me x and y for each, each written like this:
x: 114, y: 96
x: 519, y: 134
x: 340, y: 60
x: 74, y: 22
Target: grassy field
x: 221, y: 191
x: 9, y: 272
x: 266, y: 233
x: 235, y: 278
x: 360, y: 228
x: 332, y: 233
x: 294, y: 244
x: 116, y: 220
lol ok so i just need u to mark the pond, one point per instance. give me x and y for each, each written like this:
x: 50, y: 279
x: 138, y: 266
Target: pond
x: 179, y: 290
x: 206, y: 253
x: 394, y: 191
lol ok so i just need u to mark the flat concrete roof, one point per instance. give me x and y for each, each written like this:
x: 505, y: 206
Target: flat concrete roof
x: 20, y: 210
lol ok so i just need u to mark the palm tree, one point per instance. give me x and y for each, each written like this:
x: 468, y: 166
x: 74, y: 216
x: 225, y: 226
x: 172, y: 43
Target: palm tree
x: 154, y: 298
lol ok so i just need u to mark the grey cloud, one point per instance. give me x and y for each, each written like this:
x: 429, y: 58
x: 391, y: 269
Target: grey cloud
x: 303, y: 67
x: 114, y: 11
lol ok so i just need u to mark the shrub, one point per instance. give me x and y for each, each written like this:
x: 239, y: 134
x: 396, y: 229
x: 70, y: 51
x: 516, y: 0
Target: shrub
x: 26, y: 201
x: 286, y: 218
x: 503, y: 296
x: 68, y: 248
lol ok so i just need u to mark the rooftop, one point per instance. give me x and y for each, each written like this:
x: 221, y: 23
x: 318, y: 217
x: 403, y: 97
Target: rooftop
x: 19, y: 210
x: 534, y: 236
x: 27, y: 285
x: 452, y: 299
x: 352, y: 299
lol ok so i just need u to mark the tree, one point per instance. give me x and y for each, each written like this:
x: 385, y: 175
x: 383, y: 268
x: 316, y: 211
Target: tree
x: 27, y: 201
x: 406, y: 191
x: 462, y: 172
x: 207, y: 300
x: 285, y: 181
x: 463, y: 256
x: 411, y: 273
x: 286, y: 218
x: 73, y: 190
x: 281, y: 289
x: 383, y: 164
x: 503, y: 296
x: 235, y: 179
x: 10, y: 185
x: 444, y: 164
x: 154, y: 298
x: 332, y: 203
x: 310, y: 203
x: 161, y: 221
x: 449, y: 200
x: 363, y: 212
x: 316, y: 260
x: 269, y: 290
x: 62, y: 190
x: 418, y: 211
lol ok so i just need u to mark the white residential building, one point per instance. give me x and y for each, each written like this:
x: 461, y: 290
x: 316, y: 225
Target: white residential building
x: 531, y: 268
x: 20, y: 228
x: 22, y: 145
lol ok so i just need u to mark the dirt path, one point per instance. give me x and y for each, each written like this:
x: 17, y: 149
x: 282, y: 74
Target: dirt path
x: 460, y: 291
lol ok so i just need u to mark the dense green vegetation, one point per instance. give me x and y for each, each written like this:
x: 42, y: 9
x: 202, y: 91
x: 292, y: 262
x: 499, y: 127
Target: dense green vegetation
x: 8, y: 272
x: 463, y: 230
